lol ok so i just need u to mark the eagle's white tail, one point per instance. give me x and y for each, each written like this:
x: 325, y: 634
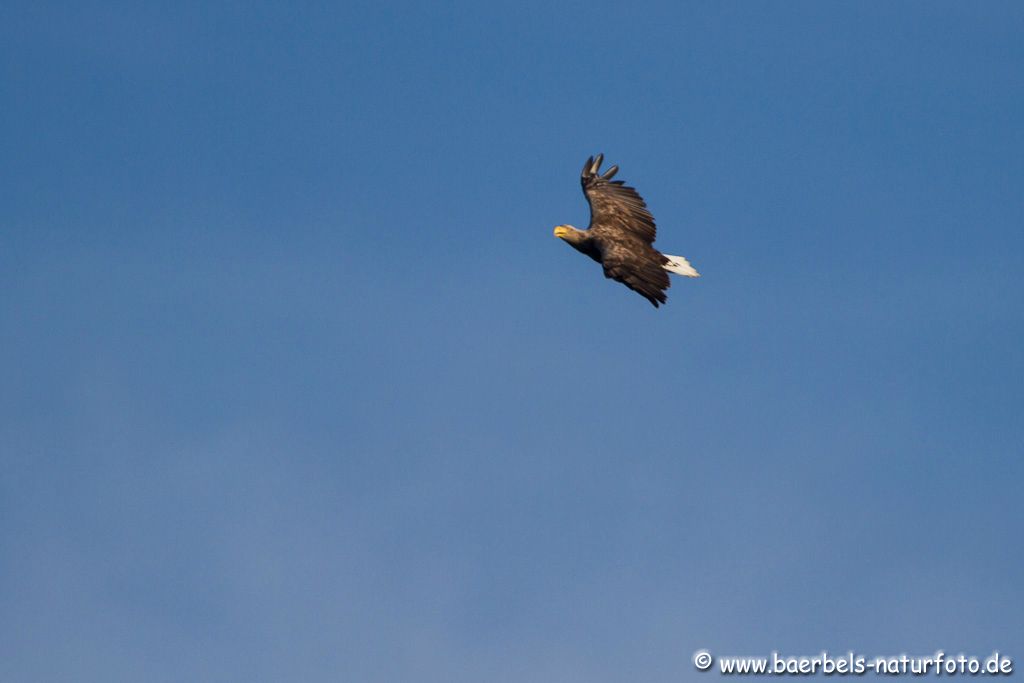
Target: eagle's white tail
x: 680, y: 266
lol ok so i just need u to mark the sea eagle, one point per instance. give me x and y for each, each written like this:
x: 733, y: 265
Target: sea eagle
x: 621, y: 235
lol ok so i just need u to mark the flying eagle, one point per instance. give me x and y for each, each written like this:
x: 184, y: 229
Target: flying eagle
x: 621, y: 235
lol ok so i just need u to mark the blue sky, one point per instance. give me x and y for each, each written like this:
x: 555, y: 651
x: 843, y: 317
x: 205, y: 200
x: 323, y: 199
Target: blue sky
x: 297, y: 385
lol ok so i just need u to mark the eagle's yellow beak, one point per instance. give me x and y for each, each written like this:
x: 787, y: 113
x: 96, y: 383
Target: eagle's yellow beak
x: 561, y: 231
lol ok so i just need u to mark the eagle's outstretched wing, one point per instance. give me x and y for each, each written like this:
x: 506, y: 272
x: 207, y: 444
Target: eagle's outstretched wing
x: 615, y: 206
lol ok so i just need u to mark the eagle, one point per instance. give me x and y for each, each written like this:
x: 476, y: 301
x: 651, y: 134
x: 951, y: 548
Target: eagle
x: 621, y: 235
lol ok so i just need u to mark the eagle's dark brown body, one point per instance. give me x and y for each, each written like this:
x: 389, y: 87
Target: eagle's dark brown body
x: 621, y: 235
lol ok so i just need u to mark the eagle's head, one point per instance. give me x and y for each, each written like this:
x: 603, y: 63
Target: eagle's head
x: 568, y: 233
